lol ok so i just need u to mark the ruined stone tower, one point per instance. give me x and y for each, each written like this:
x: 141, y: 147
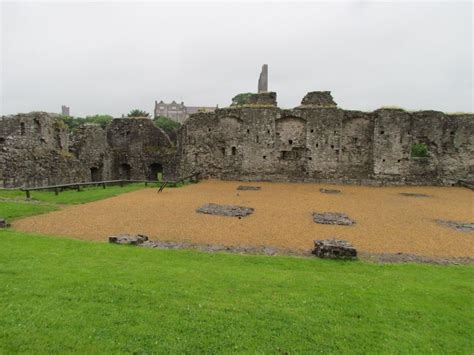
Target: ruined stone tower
x: 65, y: 110
x: 263, y: 79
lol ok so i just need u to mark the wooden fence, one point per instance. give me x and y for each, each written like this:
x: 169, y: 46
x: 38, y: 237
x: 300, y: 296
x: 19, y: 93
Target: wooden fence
x: 78, y: 185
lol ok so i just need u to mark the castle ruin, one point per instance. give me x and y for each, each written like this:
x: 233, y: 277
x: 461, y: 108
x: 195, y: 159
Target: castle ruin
x: 316, y: 141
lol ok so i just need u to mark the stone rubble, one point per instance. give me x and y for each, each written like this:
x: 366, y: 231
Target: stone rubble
x: 225, y: 210
x: 4, y: 223
x: 128, y: 239
x: 459, y: 226
x: 334, y: 249
x: 329, y: 191
x: 412, y: 194
x: 333, y: 218
x: 248, y: 188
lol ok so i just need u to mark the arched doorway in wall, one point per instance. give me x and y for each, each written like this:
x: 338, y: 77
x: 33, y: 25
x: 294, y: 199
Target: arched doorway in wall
x: 95, y: 174
x: 125, y: 172
x: 155, y: 171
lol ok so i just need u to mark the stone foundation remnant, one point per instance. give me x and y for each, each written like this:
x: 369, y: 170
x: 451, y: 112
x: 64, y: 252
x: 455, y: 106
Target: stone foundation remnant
x: 459, y: 226
x: 334, y: 249
x: 329, y: 191
x: 413, y: 194
x: 128, y: 239
x: 225, y: 210
x: 333, y: 218
x: 248, y: 188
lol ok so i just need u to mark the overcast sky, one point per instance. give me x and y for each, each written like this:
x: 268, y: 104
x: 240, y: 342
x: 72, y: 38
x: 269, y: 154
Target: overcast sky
x: 113, y: 57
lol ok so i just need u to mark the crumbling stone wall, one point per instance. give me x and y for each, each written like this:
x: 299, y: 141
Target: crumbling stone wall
x: 36, y: 149
x: 319, y: 142
x: 139, y: 149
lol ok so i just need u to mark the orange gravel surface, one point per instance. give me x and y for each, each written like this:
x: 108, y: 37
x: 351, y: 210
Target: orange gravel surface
x: 385, y: 220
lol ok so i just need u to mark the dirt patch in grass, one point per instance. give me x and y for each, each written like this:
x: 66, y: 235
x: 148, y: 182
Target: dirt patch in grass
x: 387, y: 222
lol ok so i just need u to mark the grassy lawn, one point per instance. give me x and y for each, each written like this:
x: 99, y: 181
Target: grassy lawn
x: 12, y: 210
x: 72, y: 196
x: 61, y: 295
x: 46, y: 201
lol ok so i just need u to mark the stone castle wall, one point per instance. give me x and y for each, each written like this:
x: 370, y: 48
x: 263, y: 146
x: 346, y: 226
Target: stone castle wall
x: 319, y: 142
x: 36, y: 149
x: 316, y: 141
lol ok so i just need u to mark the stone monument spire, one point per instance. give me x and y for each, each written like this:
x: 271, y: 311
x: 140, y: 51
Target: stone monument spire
x: 263, y: 79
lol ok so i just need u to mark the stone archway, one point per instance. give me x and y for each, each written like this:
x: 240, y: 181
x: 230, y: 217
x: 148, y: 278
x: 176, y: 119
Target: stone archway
x: 125, y: 171
x: 154, y: 170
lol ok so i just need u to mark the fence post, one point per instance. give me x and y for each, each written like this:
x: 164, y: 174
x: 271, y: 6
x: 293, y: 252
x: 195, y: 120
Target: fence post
x: 27, y: 193
x: 56, y: 191
x: 103, y: 185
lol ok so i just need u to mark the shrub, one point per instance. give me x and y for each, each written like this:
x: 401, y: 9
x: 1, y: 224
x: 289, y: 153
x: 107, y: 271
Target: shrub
x: 241, y: 99
x: 419, y: 150
x: 138, y: 113
x: 73, y: 122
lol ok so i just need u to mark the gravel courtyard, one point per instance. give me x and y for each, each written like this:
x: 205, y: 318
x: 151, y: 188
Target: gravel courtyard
x: 385, y: 219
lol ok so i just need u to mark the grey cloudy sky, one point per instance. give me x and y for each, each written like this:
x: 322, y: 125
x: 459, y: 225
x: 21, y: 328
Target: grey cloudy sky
x: 113, y: 57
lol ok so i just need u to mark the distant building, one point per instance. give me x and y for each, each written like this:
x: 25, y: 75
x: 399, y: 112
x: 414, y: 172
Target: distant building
x: 178, y: 112
x: 65, y: 110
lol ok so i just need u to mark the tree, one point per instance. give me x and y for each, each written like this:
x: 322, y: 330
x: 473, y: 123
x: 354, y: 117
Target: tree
x: 138, y: 113
x: 241, y: 99
x: 101, y: 120
x: 166, y: 124
x: 74, y: 122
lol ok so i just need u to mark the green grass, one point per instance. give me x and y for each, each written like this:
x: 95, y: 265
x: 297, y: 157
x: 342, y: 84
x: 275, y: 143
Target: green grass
x: 61, y: 295
x: 13, y: 210
x: 71, y: 196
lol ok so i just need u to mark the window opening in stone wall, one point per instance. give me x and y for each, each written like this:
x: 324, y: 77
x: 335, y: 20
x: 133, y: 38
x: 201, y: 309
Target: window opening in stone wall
x: 452, y: 133
x: 223, y: 151
x: 248, y: 130
x: 22, y: 128
x: 312, y: 131
x: 290, y: 142
x: 2, y: 140
x: 257, y: 138
x: 310, y: 158
x: 209, y: 129
x: 268, y: 131
x: 354, y: 139
x: 264, y: 157
x: 234, y: 150
x: 37, y: 126
x: 95, y: 175
x: 382, y: 132
x: 332, y: 147
x: 317, y: 145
